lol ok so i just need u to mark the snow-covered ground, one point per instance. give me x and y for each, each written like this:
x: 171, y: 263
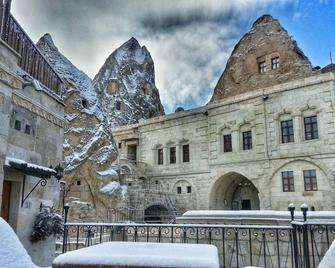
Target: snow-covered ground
x: 12, y: 253
x: 144, y: 255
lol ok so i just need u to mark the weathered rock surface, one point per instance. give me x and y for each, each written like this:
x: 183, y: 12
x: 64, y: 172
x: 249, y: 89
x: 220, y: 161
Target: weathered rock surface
x: 266, y: 40
x: 89, y: 147
x: 127, y: 80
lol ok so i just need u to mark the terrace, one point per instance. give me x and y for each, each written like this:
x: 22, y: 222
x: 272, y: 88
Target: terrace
x: 31, y: 62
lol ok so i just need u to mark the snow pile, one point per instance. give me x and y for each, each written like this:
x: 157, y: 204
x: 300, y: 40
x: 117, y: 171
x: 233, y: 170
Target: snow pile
x: 108, y: 172
x: 12, y: 253
x: 114, y: 187
x: 329, y: 259
x: 143, y: 255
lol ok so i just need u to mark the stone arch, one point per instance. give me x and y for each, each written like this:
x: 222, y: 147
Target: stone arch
x: 234, y: 191
x: 185, y: 200
x: 156, y: 213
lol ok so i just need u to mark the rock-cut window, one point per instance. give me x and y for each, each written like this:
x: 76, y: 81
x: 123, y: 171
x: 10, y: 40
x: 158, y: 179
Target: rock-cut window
x: 262, y: 67
x: 275, y: 63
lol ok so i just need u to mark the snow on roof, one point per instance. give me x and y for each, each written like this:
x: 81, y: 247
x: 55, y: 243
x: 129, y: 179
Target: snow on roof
x: 29, y: 165
x: 12, y: 253
x: 329, y: 259
x: 144, y: 255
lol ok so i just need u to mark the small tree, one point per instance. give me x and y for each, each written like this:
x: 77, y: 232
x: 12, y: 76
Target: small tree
x: 47, y: 223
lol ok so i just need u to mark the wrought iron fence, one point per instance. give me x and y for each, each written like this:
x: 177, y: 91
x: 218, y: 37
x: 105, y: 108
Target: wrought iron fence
x: 301, y: 244
x: 31, y: 61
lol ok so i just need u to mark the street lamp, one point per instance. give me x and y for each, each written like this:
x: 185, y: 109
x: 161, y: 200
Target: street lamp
x: 59, y: 172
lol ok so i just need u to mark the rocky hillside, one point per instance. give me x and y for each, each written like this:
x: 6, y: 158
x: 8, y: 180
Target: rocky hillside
x: 123, y: 92
x: 127, y: 80
x: 267, y: 40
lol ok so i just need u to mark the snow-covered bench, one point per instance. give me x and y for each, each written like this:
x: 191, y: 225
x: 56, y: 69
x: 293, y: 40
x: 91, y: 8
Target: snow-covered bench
x: 138, y: 254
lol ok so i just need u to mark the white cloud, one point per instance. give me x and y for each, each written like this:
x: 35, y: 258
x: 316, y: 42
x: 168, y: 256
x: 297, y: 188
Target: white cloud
x: 189, y: 40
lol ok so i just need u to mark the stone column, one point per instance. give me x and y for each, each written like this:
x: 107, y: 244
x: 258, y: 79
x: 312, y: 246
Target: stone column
x: 178, y: 153
x: 235, y: 140
x: 298, y: 127
x: 166, y: 155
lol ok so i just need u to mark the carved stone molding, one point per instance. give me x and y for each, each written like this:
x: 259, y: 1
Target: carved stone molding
x: 10, y: 79
x: 38, y: 110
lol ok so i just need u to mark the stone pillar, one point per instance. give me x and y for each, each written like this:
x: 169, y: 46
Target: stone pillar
x: 298, y: 127
x: 165, y: 155
x: 178, y: 153
x: 235, y: 140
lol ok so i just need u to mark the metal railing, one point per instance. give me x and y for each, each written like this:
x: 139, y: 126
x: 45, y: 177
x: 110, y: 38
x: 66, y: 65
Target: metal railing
x: 32, y: 61
x: 302, y: 244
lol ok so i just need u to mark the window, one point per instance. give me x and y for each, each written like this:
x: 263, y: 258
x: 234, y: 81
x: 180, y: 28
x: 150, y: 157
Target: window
x: 172, y: 155
x: 310, y: 180
x: 27, y: 129
x: 179, y: 190
x: 288, y: 181
x: 311, y: 127
x: 78, y: 182
x: 17, y: 125
x: 247, y: 140
x: 275, y: 63
x: 118, y: 105
x: 287, y: 133
x: 186, y: 153
x: 120, y: 145
x: 160, y: 156
x: 227, y: 147
x: 262, y: 67
x: 84, y: 103
x: 188, y: 189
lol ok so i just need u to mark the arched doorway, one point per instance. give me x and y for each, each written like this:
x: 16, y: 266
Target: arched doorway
x: 233, y: 191
x: 156, y: 214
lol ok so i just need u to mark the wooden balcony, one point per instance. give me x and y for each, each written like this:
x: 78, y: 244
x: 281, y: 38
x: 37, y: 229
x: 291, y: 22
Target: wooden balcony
x: 32, y: 61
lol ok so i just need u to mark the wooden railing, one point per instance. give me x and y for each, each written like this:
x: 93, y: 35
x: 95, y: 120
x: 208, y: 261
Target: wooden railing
x: 31, y: 61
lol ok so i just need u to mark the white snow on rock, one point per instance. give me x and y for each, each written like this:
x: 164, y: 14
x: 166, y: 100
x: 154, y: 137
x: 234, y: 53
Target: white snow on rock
x: 328, y: 260
x: 113, y: 187
x: 12, y: 253
x: 108, y: 172
x: 143, y: 255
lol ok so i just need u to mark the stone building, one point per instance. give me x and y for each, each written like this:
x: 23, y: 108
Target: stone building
x: 265, y: 140
x: 31, y: 135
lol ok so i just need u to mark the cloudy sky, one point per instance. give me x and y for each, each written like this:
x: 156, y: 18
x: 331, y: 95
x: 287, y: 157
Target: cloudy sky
x: 189, y: 40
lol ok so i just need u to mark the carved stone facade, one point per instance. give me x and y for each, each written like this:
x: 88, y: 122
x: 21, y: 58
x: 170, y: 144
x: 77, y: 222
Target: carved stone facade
x: 32, y: 123
x: 242, y: 178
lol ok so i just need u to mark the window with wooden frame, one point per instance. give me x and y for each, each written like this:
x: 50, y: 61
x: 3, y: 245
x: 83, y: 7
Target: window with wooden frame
x: 188, y: 189
x: 311, y: 127
x: 310, y: 180
x: 227, y: 145
x: 262, y: 67
x: 186, y: 153
x: 172, y: 155
x: 247, y: 140
x: 275, y: 63
x: 179, y: 190
x: 160, y: 156
x: 17, y: 125
x: 287, y: 131
x: 288, y: 181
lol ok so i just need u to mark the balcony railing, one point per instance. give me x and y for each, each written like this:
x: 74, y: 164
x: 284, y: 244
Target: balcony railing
x: 32, y: 61
x: 300, y: 244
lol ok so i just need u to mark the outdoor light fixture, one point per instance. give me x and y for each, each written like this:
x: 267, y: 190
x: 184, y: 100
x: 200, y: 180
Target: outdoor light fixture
x: 59, y: 172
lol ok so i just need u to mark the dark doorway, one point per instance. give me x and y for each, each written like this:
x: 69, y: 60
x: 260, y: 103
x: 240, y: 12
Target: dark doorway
x: 156, y: 214
x: 5, y: 200
x: 131, y: 153
x: 246, y: 205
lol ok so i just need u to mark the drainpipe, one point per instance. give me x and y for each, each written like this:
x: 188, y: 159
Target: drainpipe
x: 265, y: 98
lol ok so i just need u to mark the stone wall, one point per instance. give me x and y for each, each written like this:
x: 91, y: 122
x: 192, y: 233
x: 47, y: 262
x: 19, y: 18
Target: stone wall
x: 211, y: 172
x: 39, y: 141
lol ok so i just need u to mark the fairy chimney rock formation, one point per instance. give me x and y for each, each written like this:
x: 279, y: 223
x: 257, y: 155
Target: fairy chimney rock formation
x: 265, y: 56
